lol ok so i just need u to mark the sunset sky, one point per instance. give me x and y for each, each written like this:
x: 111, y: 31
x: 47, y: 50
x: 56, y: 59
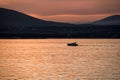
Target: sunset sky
x: 72, y: 11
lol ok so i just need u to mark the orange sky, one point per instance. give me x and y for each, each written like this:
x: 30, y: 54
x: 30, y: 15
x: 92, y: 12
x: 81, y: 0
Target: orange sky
x: 73, y: 11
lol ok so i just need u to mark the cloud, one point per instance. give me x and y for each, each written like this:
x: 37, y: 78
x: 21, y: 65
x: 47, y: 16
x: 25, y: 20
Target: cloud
x: 71, y: 18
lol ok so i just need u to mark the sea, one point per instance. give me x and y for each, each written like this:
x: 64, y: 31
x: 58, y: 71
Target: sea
x: 52, y: 59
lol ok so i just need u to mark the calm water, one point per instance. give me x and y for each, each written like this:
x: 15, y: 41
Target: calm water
x: 52, y: 59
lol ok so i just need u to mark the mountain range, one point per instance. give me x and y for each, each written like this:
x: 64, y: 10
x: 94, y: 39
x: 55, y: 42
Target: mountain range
x: 14, y: 24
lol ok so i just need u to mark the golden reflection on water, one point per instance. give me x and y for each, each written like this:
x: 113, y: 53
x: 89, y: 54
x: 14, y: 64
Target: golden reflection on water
x: 52, y: 59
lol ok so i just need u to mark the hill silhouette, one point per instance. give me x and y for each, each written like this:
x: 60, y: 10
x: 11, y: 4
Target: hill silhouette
x: 15, y: 18
x: 111, y: 20
x: 14, y: 24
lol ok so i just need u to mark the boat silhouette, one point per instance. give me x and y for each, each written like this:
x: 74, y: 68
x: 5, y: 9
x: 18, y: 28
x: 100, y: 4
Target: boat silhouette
x: 72, y: 44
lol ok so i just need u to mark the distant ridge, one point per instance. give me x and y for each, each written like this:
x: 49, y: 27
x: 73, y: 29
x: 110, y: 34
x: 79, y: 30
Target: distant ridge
x: 111, y: 20
x: 15, y: 18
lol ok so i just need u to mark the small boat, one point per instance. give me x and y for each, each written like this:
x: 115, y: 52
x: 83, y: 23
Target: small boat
x: 72, y: 44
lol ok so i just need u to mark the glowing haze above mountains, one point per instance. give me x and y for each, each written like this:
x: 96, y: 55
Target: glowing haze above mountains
x: 71, y: 11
